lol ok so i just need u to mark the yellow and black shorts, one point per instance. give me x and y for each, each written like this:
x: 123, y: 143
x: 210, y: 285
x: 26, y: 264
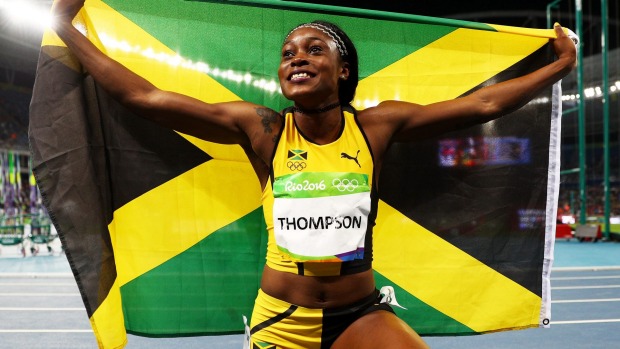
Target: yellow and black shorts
x: 278, y: 324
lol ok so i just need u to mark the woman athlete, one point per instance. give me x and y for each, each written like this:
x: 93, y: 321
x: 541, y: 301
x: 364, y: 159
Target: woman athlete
x: 320, y: 140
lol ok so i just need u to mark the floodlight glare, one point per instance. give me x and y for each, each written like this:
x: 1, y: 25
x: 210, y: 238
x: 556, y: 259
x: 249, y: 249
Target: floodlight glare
x: 27, y: 14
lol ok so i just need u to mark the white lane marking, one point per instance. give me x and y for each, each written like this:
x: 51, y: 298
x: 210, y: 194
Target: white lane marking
x: 570, y: 322
x: 586, y: 277
x: 583, y: 287
x: 45, y: 331
x: 587, y: 300
x: 39, y: 294
x: 4, y: 284
x: 599, y: 268
x: 37, y: 275
x: 42, y: 309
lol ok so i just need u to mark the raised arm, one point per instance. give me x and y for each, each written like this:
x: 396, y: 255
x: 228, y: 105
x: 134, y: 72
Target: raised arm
x: 406, y: 121
x: 229, y: 123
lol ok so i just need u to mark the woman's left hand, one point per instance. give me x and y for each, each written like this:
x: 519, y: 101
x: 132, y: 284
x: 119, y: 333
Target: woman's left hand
x: 564, y: 47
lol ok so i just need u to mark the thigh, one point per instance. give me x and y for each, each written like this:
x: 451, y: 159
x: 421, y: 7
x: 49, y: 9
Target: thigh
x: 379, y: 329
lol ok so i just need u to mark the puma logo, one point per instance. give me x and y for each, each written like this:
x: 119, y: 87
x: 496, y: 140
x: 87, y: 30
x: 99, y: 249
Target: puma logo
x: 347, y: 156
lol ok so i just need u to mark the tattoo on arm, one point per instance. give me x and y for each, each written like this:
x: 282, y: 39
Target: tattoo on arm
x: 268, y: 118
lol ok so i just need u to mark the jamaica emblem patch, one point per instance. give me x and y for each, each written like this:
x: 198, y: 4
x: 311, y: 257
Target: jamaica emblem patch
x: 297, y: 159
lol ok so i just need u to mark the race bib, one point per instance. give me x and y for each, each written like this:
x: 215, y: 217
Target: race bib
x: 321, y: 216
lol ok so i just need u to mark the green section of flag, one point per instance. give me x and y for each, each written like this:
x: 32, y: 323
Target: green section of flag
x: 250, y: 39
x: 205, y: 287
x: 419, y: 315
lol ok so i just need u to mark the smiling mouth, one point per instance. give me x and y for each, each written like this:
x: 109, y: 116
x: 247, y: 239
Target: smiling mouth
x: 301, y: 76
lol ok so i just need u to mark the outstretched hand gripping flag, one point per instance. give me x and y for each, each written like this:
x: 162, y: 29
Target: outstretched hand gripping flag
x: 164, y: 232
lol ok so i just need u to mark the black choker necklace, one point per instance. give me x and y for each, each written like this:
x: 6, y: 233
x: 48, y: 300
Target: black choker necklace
x: 318, y: 110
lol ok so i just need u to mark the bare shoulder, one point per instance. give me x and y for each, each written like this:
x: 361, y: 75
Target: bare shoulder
x: 254, y: 119
x: 269, y: 118
x: 263, y: 128
x: 389, y: 111
x: 267, y: 122
x: 405, y: 122
x: 388, y: 117
x: 380, y: 124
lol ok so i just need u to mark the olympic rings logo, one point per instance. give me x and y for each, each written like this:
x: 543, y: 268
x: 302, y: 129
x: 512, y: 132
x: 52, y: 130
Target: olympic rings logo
x: 296, y: 165
x: 345, y: 184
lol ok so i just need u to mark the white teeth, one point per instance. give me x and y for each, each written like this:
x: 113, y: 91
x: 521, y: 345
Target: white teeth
x: 299, y: 76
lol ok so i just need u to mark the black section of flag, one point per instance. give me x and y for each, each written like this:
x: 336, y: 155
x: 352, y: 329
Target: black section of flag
x: 70, y: 166
x: 142, y: 155
x: 482, y: 208
x: 80, y: 139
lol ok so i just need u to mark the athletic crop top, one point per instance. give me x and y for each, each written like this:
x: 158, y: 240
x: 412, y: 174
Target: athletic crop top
x: 320, y: 202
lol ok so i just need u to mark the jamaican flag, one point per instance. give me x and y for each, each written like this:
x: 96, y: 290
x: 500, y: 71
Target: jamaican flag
x: 164, y: 232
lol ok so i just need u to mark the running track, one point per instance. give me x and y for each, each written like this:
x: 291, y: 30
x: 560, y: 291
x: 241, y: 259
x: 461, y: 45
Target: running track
x: 40, y: 307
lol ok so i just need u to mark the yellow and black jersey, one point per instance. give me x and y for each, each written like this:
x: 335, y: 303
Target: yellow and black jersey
x: 320, y: 202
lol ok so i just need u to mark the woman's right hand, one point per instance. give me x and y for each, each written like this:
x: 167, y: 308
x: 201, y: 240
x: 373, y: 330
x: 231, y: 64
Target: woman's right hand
x: 65, y: 10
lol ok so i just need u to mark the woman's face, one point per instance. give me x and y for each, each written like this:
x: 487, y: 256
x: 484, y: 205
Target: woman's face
x: 310, y: 68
